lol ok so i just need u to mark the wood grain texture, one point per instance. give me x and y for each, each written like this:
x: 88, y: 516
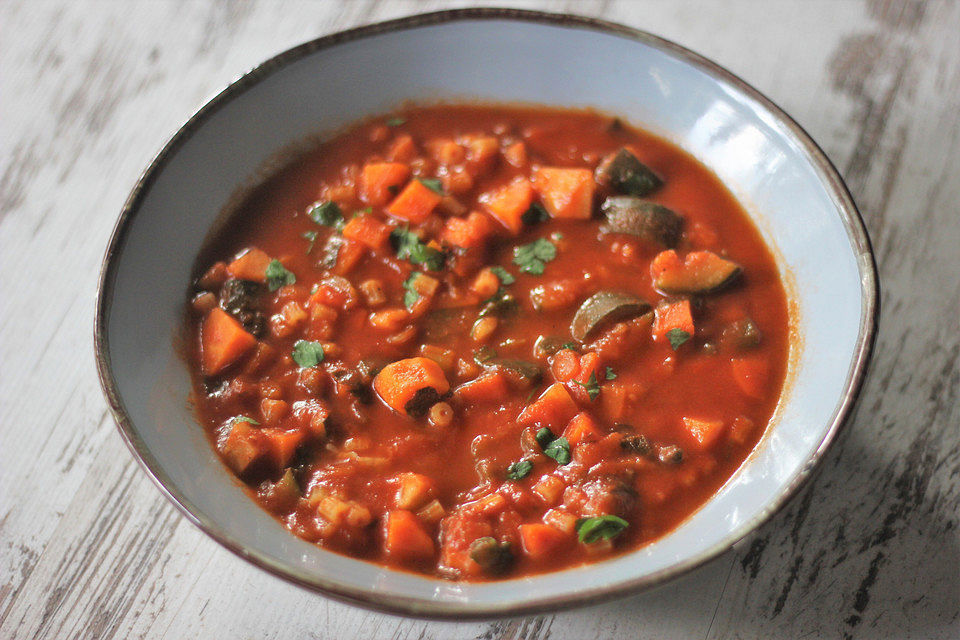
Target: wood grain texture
x: 90, y: 549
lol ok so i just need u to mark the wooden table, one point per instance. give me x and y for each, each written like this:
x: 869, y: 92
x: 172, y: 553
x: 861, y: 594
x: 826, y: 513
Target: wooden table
x: 90, y: 549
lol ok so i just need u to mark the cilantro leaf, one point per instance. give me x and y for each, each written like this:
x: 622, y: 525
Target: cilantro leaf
x: 434, y: 184
x: 592, y: 386
x: 677, y: 337
x: 519, y: 470
x: 559, y: 450
x: 312, y: 237
x: 395, y: 122
x: 411, y: 295
x: 503, y: 275
x: 248, y: 419
x: 307, y: 354
x: 610, y: 375
x: 410, y: 247
x: 278, y: 276
x: 327, y: 214
x: 532, y: 258
x: 535, y: 214
x: 593, y: 529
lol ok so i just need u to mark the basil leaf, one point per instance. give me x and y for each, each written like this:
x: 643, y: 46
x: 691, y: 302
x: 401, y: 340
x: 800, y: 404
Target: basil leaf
x: 505, y: 276
x: 532, y: 258
x: 307, y: 354
x: 236, y: 419
x: 312, y: 237
x: 593, y: 529
x: 327, y: 214
x: 544, y: 437
x: 610, y: 374
x: 519, y: 470
x: 434, y: 184
x: 278, y: 276
x: 559, y: 450
x: 677, y: 337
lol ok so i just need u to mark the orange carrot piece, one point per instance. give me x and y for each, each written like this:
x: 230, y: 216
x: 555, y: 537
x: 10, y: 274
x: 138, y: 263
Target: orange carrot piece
x: 488, y: 387
x: 553, y: 408
x: 469, y: 232
x: 566, y: 193
x: 516, y: 154
x: 223, y: 341
x: 582, y: 428
x: 380, y: 181
x: 565, y: 365
x: 398, y: 382
x: 282, y: 445
x: 367, y: 230
x: 349, y: 256
x: 250, y: 265
x: 751, y: 375
x: 404, y: 539
x: 508, y: 203
x: 665, y: 261
x: 415, y: 203
x: 673, y: 315
x: 703, y: 433
x: 541, y: 541
x: 242, y: 446
x: 413, y: 490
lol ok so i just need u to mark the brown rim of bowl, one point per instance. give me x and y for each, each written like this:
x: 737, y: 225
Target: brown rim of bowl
x: 870, y: 309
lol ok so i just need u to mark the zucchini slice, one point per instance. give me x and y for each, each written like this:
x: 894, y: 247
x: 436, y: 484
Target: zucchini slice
x: 699, y: 273
x: 647, y: 220
x: 604, y: 307
x: 624, y: 173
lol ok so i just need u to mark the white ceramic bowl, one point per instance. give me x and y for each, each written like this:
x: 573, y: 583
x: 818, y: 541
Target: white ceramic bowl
x: 784, y: 180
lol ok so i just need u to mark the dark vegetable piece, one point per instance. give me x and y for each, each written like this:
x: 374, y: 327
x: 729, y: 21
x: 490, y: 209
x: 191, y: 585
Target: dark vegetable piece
x: 623, y: 172
x: 670, y: 454
x: 700, y: 273
x: 646, y: 220
x: 307, y: 353
x: 549, y: 345
x: 636, y: 444
x: 420, y: 403
x: 519, y: 470
x: 528, y: 373
x: 744, y: 334
x: 593, y: 529
x: 331, y: 252
x: 241, y: 299
x: 605, y: 307
x: 281, y: 496
x: 493, y: 557
x: 499, y: 304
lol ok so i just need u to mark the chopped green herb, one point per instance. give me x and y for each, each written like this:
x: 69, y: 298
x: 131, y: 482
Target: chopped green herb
x: 592, y: 386
x: 505, y: 276
x: 411, y: 295
x: 532, y: 258
x: 499, y: 304
x: 236, y: 419
x: 559, y: 450
x: 519, y: 470
x: 677, y: 337
x: 395, y: 122
x: 535, y: 214
x: 327, y: 214
x: 314, y: 288
x: 410, y: 247
x: 593, y: 529
x: 312, y: 237
x: 393, y: 189
x: 556, y: 236
x: 544, y: 437
x: 307, y: 354
x: 610, y: 374
x: 484, y: 354
x: 278, y: 276
x: 433, y: 184
x: 362, y: 212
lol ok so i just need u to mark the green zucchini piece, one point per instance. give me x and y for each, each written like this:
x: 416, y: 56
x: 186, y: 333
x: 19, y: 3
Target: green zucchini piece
x: 604, y: 307
x: 494, y: 557
x: 647, y: 220
x: 700, y: 273
x: 624, y: 173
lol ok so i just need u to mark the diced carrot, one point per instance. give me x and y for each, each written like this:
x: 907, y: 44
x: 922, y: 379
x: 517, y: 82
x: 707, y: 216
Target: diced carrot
x: 282, y: 444
x: 508, y: 203
x: 349, y: 256
x: 566, y: 193
x: 751, y: 375
x: 541, y: 541
x: 665, y: 261
x: 582, y: 428
x: 223, y: 341
x: 273, y: 410
x: 405, y: 539
x: 703, y: 433
x: 469, y: 232
x: 413, y: 491
x: 565, y: 365
x: 489, y: 387
x: 485, y: 284
x: 579, y: 383
x: 402, y: 149
x: 553, y: 408
x: 415, y: 203
x: 215, y: 276
x: 549, y: 488
x: 673, y: 315
x: 481, y: 152
x: 741, y: 429
x: 380, y: 181
x: 516, y: 154
x: 656, y: 488
x: 241, y: 448
x: 398, y: 382
x: 367, y: 230
x: 250, y: 265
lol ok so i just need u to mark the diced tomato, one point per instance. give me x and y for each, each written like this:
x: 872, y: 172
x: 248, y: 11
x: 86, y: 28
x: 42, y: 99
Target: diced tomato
x: 673, y: 315
x: 468, y: 233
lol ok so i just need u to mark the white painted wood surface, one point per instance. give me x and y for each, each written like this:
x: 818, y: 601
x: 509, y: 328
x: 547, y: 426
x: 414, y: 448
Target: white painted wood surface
x: 90, y: 549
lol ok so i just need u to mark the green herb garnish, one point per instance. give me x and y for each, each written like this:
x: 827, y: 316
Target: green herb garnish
x: 484, y: 354
x: 519, y: 470
x: 593, y: 529
x: 499, y: 304
x: 307, y: 354
x: 592, y: 386
x: 544, y: 437
x: 327, y: 214
x: 434, y: 184
x: 503, y: 275
x: 312, y: 237
x: 411, y: 295
x: 610, y: 375
x: 410, y: 247
x: 278, y: 276
x: 236, y: 419
x: 559, y: 450
x: 532, y: 258
x: 395, y: 122
x: 535, y: 214
x: 677, y: 337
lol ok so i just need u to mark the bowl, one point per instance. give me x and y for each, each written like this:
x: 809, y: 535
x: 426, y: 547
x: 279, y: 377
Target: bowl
x: 786, y: 183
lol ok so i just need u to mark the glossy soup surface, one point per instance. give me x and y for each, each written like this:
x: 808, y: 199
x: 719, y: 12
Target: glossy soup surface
x: 387, y: 348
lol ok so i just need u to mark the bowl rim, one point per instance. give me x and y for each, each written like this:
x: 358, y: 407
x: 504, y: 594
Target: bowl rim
x: 405, y: 605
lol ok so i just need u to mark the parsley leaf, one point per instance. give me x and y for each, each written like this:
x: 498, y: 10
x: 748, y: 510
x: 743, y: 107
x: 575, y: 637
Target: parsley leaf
x: 410, y: 247
x: 395, y: 122
x: 504, y: 276
x: 677, y: 337
x: 559, y: 450
x: 411, y: 295
x: 592, y: 386
x: 519, y: 470
x: 536, y: 213
x: 307, y: 354
x: 532, y: 258
x: 593, y: 529
x: 248, y: 419
x: 278, y: 276
x: 312, y: 237
x: 544, y: 437
x: 434, y: 184
x: 610, y: 374
x: 327, y: 214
